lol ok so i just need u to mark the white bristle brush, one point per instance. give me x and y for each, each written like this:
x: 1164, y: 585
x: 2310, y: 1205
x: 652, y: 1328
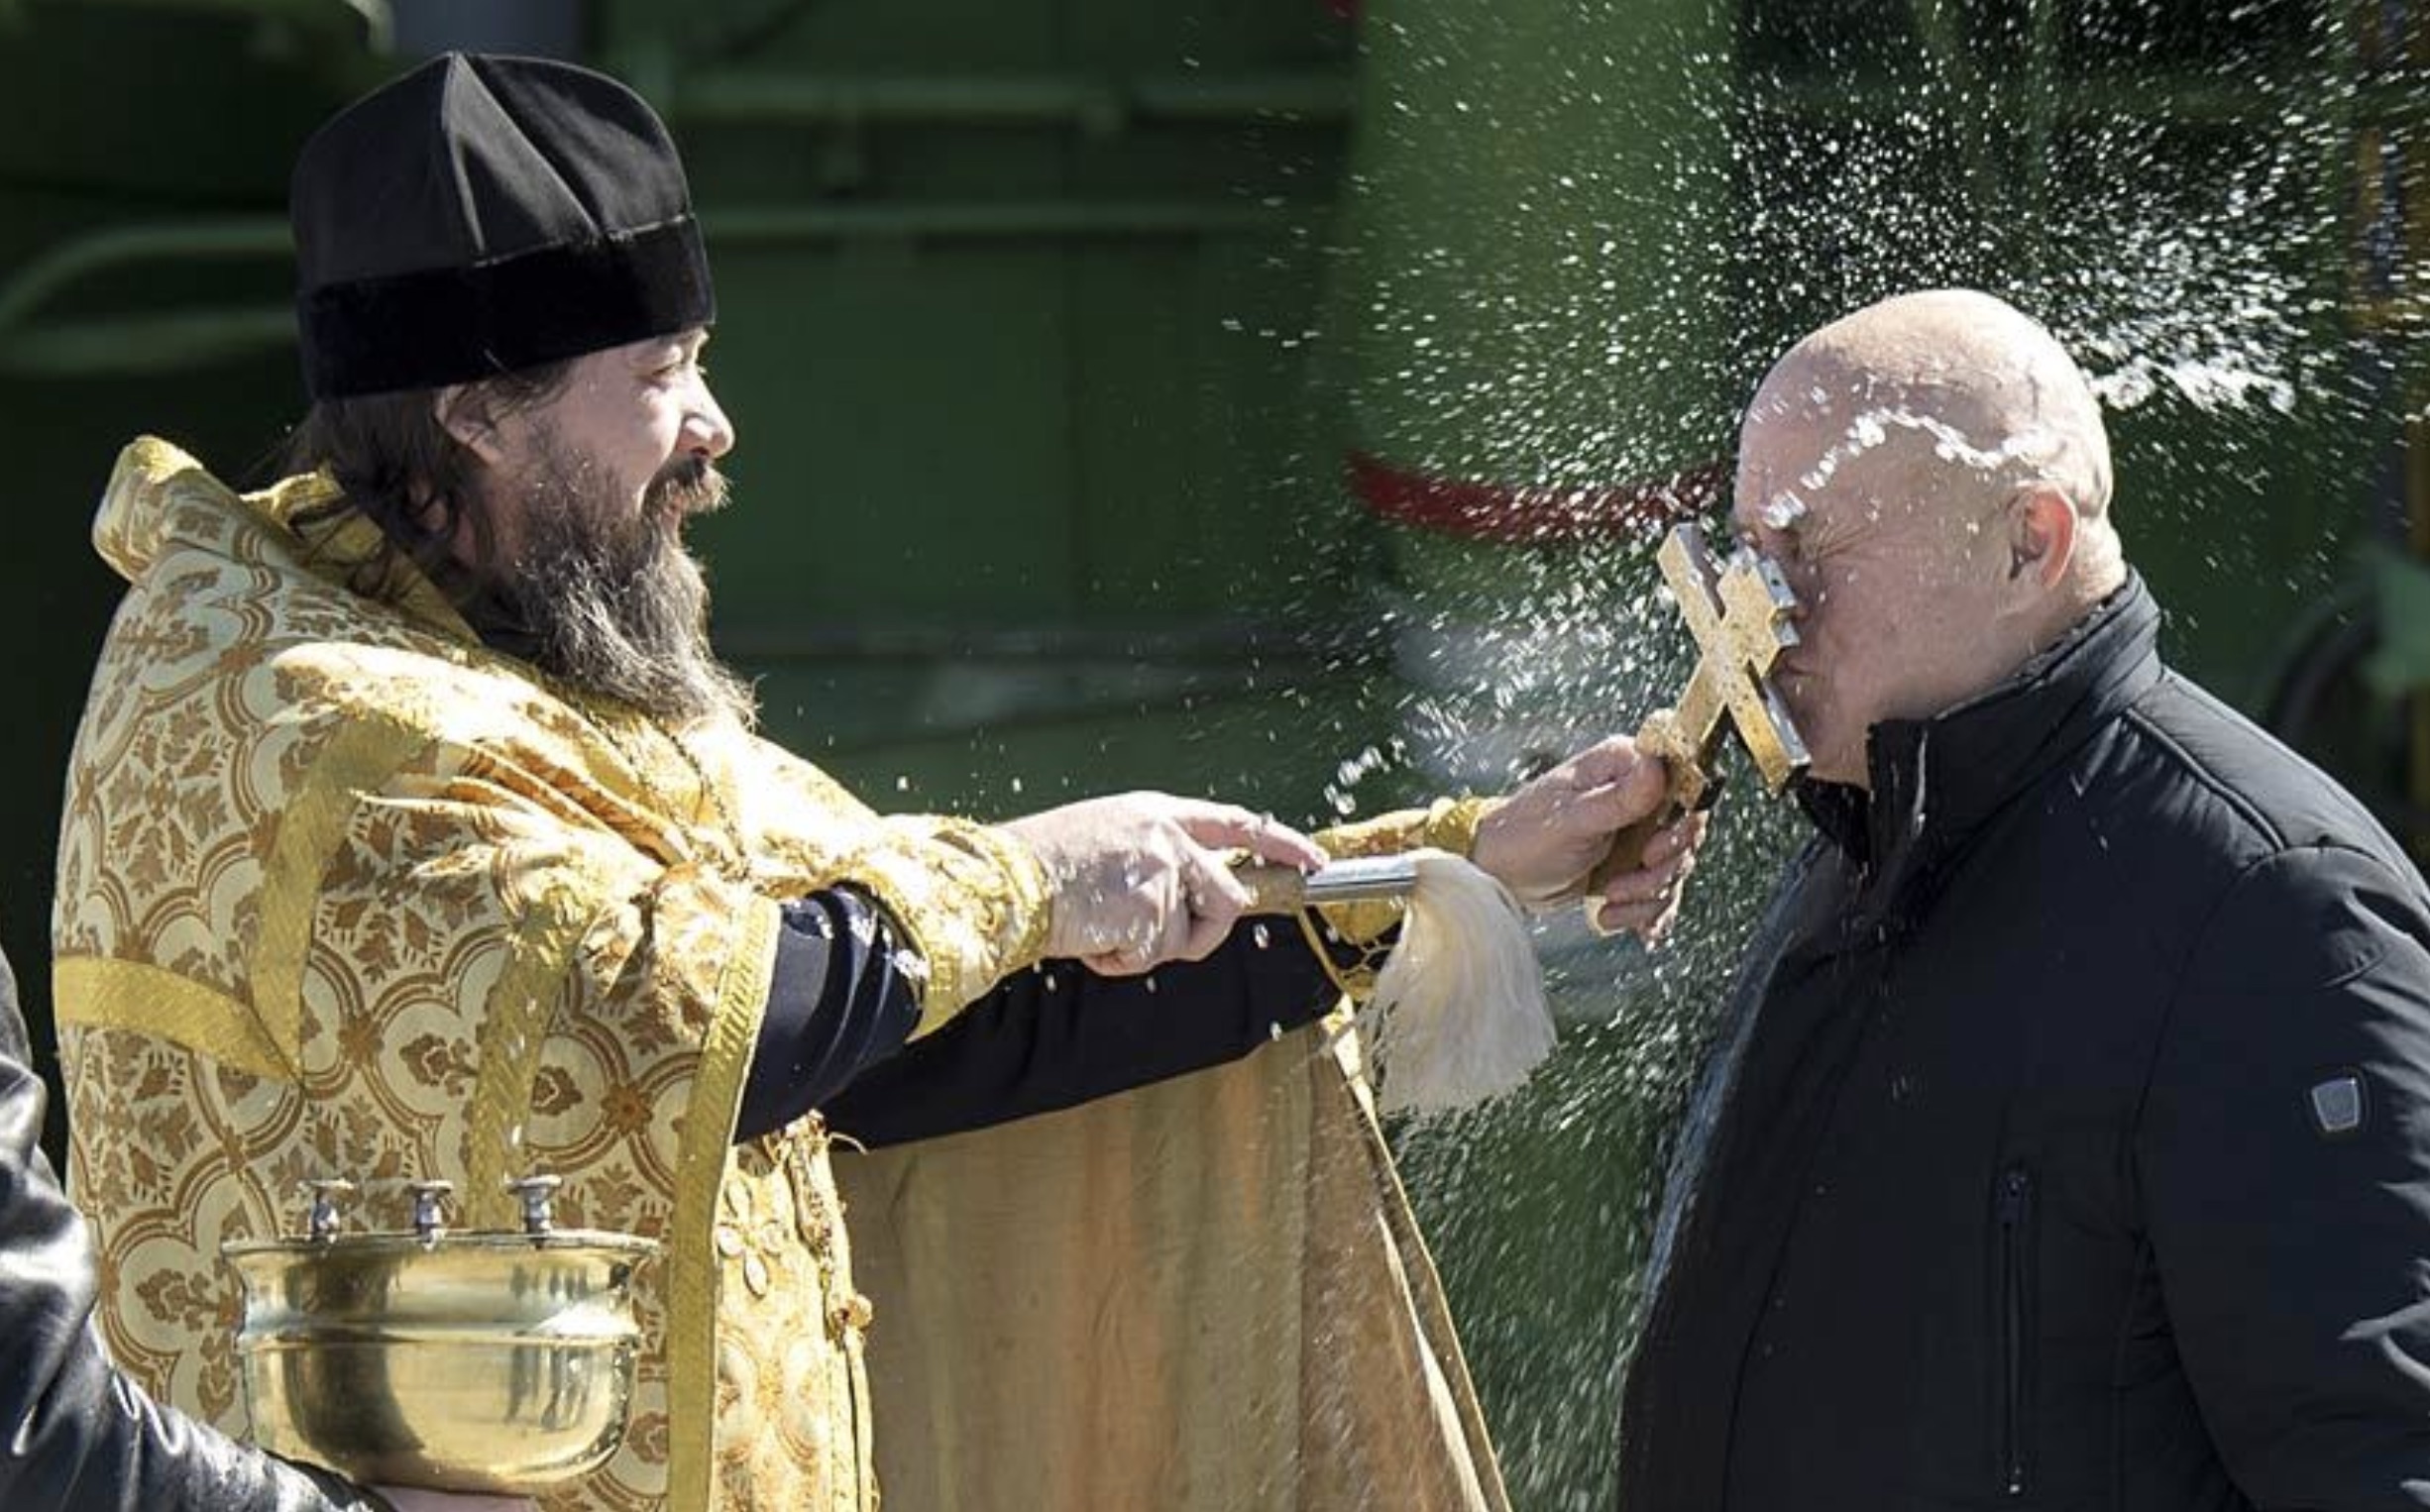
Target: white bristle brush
x: 1458, y: 1014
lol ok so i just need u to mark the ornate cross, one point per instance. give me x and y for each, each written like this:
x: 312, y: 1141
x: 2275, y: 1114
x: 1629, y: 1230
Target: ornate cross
x: 1740, y: 613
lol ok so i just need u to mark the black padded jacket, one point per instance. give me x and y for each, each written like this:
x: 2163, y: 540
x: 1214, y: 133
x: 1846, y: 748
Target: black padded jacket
x: 2070, y: 1146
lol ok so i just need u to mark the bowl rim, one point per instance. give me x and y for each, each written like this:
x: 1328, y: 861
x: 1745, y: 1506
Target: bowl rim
x: 381, y: 1242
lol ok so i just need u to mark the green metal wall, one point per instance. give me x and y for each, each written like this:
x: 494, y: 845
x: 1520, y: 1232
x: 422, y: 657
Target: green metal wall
x: 1017, y: 302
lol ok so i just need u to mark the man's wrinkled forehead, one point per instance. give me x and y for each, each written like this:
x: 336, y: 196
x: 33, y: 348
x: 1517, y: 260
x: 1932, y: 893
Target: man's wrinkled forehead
x: 1781, y: 439
x: 1817, y: 439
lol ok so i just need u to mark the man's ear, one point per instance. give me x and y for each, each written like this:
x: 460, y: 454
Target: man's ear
x: 2044, y: 532
x: 463, y: 411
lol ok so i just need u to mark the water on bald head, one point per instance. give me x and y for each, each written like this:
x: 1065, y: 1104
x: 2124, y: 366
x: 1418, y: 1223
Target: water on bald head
x: 1999, y: 398
x: 1933, y: 473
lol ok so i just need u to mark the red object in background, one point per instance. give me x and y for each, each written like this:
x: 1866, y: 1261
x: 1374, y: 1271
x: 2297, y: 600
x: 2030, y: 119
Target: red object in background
x: 1533, y: 515
x: 1348, y: 10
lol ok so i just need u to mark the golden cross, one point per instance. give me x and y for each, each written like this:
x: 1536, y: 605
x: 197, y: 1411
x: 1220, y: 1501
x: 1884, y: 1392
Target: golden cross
x: 1739, y: 614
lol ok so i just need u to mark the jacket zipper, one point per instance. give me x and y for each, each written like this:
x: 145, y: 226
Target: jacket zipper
x: 2016, y: 1216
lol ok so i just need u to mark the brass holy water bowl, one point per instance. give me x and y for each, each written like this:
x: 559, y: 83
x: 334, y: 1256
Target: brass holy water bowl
x: 497, y: 1362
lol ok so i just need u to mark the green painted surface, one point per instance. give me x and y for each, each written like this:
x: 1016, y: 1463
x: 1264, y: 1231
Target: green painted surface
x: 1535, y: 251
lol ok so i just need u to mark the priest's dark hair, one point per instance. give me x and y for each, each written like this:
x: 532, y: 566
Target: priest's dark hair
x: 396, y: 463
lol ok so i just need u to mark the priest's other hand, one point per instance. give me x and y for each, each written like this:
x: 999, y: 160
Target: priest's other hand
x: 405, y: 1499
x: 1139, y: 878
x: 1544, y: 839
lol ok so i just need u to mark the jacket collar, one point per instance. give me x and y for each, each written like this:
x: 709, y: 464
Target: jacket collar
x: 1936, y: 781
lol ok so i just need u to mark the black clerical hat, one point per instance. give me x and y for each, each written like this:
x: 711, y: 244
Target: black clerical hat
x: 481, y: 215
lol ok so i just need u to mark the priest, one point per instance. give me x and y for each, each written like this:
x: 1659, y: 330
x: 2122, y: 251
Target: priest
x: 414, y: 831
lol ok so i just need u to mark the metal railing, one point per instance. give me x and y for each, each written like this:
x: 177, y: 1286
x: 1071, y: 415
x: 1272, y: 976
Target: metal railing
x: 33, y: 344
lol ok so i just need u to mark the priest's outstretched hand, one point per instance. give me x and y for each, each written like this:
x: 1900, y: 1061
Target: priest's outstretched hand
x: 1142, y: 877
x: 1544, y: 840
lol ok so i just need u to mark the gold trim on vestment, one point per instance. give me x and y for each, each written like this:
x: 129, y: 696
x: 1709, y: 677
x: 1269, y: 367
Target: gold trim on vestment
x: 335, y: 547
x: 692, y: 1271
x: 360, y: 758
x: 96, y: 992
x: 1448, y: 823
x: 514, y: 1023
x: 1354, y: 983
x: 1014, y: 922
x: 1451, y: 822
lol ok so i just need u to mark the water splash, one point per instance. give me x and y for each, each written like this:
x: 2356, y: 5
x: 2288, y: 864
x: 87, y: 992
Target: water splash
x: 2194, y: 266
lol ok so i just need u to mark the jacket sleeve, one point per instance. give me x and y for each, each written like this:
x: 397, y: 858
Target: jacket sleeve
x: 2290, y: 1222
x: 75, y: 1433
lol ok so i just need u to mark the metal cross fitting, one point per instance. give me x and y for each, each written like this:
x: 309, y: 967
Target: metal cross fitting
x: 536, y: 1192
x: 427, y: 1196
x: 328, y: 1193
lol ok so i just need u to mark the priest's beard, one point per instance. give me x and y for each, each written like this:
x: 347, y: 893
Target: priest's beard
x: 614, y: 603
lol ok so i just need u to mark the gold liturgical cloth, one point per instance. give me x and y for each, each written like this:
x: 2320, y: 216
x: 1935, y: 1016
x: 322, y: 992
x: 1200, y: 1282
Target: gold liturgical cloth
x: 343, y: 893
x: 1207, y: 1295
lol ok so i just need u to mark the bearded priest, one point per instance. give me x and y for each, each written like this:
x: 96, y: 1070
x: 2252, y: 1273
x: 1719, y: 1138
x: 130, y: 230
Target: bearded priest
x: 413, y: 831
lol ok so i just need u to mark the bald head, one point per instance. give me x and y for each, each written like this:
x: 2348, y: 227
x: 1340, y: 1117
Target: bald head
x: 1971, y: 398
x: 1934, y: 472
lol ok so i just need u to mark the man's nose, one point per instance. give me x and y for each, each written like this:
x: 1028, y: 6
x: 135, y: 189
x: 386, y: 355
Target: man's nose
x: 706, y: 428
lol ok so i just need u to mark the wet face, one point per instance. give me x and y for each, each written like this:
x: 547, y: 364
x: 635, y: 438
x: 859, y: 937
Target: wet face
x: 1899, y: 577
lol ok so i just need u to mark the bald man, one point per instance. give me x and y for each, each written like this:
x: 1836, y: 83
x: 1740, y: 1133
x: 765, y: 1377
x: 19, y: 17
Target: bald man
x: 2068, y: 1143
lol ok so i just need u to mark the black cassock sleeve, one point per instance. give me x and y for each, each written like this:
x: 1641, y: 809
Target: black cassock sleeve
x: 1058, y: 1034
x: 841, y: 999
x: 842, y: 1008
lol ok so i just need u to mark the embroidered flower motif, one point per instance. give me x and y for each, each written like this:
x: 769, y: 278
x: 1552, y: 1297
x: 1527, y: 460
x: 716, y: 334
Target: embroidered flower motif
x: 553, y: 1092
x: 626, y: 1107
x: 219, y: 696
x: 438, y: 1061
x: 192, y: 1299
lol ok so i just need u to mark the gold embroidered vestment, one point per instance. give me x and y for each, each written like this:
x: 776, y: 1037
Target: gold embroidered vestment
x: 343, y: 893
